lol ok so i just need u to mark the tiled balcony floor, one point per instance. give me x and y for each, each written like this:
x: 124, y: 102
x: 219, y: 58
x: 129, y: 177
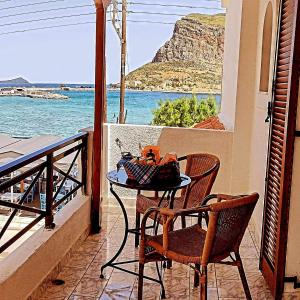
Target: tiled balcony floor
x: 82, y: 282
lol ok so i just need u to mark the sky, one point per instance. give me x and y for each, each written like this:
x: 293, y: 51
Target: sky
x: 67, y: 54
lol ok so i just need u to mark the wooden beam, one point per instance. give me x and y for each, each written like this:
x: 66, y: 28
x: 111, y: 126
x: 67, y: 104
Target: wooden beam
x: 99, y: 112
x: 103, y: 3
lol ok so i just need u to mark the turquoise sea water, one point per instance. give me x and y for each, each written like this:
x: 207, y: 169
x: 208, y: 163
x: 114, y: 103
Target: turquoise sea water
x: 25, y: 117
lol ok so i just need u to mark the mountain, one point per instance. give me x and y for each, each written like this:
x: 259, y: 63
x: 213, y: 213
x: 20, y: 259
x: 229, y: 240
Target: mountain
x: 15, y: 81
x: 190, y: 61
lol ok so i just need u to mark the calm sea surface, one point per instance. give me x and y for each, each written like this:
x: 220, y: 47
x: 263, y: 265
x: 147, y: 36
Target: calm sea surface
x: 25, y: 117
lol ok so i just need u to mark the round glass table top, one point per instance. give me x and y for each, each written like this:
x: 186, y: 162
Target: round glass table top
x: 120, y: 178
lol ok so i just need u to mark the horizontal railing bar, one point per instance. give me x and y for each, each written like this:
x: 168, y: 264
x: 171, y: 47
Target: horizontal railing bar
x: 10, y: 182
x: 67, y: 152
x: 20, y: 233
x: 66, y: 175
x: 21, y: 207
x: 64, y: 198
x: 31, y: 157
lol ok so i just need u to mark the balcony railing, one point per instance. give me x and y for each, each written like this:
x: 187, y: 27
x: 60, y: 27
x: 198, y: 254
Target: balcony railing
x: 40, y: 166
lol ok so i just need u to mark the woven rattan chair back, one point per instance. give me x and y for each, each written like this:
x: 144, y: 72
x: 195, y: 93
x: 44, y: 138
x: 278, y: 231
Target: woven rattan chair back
x: 228, y: 221
x: 200, y: 164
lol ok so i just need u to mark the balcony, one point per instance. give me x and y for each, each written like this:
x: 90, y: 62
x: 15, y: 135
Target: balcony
x: 67, y: 254
x: 81, y: 273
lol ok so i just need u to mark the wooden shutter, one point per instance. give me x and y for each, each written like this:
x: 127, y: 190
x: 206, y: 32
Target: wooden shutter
x: 281, y: 148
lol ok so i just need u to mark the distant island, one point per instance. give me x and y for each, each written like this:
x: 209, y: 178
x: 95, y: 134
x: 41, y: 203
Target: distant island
x: 191, y: 61
x: 20, y: 87
x: 15, y: 81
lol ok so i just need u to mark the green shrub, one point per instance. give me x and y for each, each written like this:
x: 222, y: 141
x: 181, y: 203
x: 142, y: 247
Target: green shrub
x: 184, y: 112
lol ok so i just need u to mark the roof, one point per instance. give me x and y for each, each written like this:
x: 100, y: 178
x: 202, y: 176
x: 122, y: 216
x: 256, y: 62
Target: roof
x: 6, y: 140
x: 25, y: 146
x: 210, y: 123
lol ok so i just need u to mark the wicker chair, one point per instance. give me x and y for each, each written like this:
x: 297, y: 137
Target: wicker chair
x: 228, y: 220
x: 202, y: 169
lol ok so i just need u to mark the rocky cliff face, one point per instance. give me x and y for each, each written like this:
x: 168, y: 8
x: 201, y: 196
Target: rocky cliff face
x: 190, y: 61
x: 196, y: 38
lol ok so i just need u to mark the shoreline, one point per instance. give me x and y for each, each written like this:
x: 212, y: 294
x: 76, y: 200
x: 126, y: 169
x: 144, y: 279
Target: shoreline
x: 33, y: 94
x: 6, y: 91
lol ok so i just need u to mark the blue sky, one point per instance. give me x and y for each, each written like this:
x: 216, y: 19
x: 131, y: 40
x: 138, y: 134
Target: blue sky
x: 62, y: 55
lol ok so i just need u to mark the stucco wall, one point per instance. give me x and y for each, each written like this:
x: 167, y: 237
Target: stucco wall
x: 231, y: 61
x: 24, y: 269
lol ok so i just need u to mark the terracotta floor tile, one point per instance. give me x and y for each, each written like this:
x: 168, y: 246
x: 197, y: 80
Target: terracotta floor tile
x: 151, y: 291
x: 92, y: 287
x: 230, y: 289
x: 212, y: 294
x: 291, y: 296
x: 79, y: 297
x: 119, y: 286
x: 82, y: 281
x: 248, y: 252
x: 89, y: 248
x: 227, y: 272
x: 80, y: 261
x: 94, y: 269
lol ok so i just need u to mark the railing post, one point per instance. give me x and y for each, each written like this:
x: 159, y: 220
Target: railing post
x: 84, y: 157
x: 49, y: 193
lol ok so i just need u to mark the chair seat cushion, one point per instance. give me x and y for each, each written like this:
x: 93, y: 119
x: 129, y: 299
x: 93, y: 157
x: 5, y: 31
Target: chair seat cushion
x: 143, y: 203
x: 185, y: 245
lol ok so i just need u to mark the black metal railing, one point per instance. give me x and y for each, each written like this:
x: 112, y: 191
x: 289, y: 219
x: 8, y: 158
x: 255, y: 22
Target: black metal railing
x: 39, y: 167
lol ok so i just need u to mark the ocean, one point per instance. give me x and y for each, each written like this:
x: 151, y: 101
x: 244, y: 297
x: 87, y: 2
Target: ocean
x: 26, y: 117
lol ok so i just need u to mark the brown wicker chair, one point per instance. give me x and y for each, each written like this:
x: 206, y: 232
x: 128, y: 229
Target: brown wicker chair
x: 202, y: 168
x: 228, y: 220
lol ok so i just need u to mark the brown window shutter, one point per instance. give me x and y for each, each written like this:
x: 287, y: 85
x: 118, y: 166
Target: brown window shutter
x: 281, y: 148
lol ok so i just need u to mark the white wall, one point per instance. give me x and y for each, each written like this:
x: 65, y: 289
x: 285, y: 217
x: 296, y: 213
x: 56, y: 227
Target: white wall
x: 260, y: 129
x: 231, y: 61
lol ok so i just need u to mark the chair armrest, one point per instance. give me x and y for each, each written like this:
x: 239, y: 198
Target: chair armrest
x: 173, y: 213
x: 167, y: 216
x: 208, y: 198
x: 182, y: 158
x: 219, y: 197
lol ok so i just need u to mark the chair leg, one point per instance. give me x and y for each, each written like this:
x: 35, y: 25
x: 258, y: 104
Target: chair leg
x: 243, y: 276
x: 137, y: 226
x: 203, y: 283
x: 169, y: 261
x: 196, y: 275
x: 140, y: 282
x: 183, y: 222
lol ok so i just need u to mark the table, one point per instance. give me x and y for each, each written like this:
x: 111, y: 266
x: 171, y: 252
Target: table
x: 119, y: 178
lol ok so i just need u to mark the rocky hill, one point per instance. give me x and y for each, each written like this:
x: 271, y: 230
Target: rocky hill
x: 190, y: 61
x: 16, y: 81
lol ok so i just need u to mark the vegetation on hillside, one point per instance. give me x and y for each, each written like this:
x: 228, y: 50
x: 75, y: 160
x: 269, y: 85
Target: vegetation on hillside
x: 213, y: 20
x: 180, y: 76
x: 184, y: 112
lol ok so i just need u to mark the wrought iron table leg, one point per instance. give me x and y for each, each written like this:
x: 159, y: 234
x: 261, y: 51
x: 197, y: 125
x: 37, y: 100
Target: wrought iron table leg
x: 109, y: 263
